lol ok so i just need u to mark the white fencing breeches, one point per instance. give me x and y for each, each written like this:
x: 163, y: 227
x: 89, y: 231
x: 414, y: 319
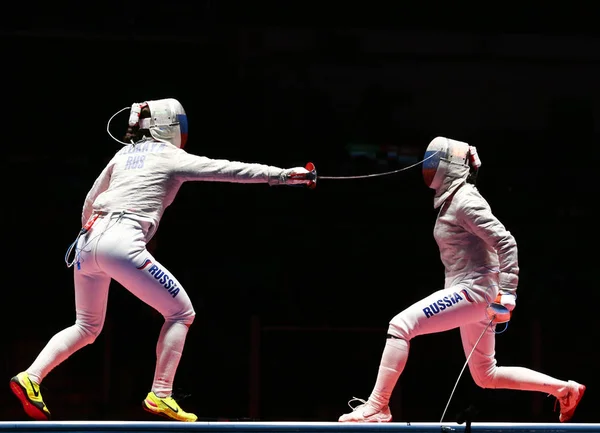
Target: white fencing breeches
x: 458, y: 306
x: 115, y: 247
x: 461, y: 306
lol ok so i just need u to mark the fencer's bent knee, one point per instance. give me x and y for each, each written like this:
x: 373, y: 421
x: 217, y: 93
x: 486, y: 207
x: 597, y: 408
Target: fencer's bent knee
x: 484, y: 378
x: 189, y: 319
x: 398, y: 328
x: 186, y: 317
x: 88, y: 331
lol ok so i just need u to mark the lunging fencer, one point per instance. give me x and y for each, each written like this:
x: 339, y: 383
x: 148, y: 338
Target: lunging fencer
x: 481, y: 267
x: 120, y: 215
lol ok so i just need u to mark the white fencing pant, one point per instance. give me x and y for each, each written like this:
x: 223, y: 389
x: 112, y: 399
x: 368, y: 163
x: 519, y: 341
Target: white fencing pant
x: 115, y: 247
x: 460, y: 306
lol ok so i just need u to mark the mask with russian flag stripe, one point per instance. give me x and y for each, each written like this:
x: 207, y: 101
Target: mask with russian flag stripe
x: 167, y: 121
x: 447, y: 165
x: 447, y: 158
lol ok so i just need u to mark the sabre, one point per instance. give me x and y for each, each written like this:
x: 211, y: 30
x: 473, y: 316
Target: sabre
x: 313, y: 176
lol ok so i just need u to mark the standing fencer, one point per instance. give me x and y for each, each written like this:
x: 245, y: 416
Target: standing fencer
x: 120, y: 215
x: 481, y: 267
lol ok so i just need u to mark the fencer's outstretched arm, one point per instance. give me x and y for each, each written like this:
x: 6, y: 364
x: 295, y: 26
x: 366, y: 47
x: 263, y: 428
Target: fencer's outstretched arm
x: 477, y: 216
x: 198, y: 168
x: 99, y: 186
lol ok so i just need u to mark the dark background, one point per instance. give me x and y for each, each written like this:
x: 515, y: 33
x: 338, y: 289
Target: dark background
x: 294, y: 288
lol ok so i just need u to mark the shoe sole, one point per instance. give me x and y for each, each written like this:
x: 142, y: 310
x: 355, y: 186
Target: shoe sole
x: 162, y: 414
x: 366, y: 422
x: 147, y: 409
x: 30, y: 409
x: 570, y: 414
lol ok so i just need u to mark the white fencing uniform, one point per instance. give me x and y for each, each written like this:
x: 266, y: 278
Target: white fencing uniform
x: 480, y: 260
x: 472, y: 244
x: 126, y: 204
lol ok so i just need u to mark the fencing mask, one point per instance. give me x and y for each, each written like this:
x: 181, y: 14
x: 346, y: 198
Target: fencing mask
x: 447, y: 165
x: 167, y: 121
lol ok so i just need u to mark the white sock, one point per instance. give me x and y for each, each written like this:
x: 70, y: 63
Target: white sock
x: 168, y: 353
x: 57, y: 350
x: 393, y: 361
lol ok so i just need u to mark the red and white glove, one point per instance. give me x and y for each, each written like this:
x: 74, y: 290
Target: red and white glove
x: 301, y: 175
x: 507, y: 299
